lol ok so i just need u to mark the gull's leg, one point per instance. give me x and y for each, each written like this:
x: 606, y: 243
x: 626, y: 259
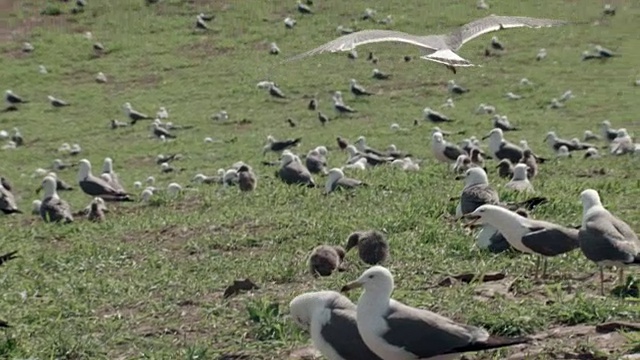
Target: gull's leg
x: 544, y: 267
x: 601, y: 281
x: 621, y: 275
x: 537, y: 267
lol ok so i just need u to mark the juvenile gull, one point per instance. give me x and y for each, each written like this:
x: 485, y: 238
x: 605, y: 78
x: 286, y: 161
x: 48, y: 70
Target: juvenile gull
x: 443, y: 150
x: 330, y: 319
x: 246, y: 178
x: 438, y: 48
x: 336, y: 180
x: 519, y: 181
x: 462, y: 164
x: 95, y: 186
x: 530, y: 160
x: 315, y: 162
x: 604, y: 238
x: 325, y: 259
x: 96, y: 212
x: 527, y: 235
x: 505, y: 169
x: 435, y: 117
x: 395, y: 331
x: 8, y: 202
x: 372, y: 245
x: 293, y: 172
x: 322, y: 118
x: 500, y: 149
x: 52, y: 208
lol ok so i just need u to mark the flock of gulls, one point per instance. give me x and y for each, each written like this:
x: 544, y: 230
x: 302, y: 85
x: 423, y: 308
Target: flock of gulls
x: 378, y: 327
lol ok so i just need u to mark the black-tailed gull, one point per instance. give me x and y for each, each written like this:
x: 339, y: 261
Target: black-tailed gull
x: 337, y: 180
x: 443, y: 150
x: 52, y: 208
x: 293, y: 172
x: 330, y: 319
x: 604, y: 238
x: 395, y: 331
x: 95, y: 186
x: 527, y: 235
x: 519, y: 181
x: 500, y: 149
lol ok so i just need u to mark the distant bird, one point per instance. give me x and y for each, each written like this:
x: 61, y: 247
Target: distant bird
x: 455, y: 88
x: 134, y: 115
x: 435, y: 117
x: 220, y: 116
x: 496, y: 44
x: 437, y: 48
x: 563, y: 151
x: 374, y: 59
x: 336, y: 180
x: 27, y: 47
x: 485, y: 109
x: 605, y: 53
x: 53, y: 208
x: 608, y: 10
x: 358, y: 90
x: 519, y: 181
x: 340, y: 107
x: 75, y: 150
x: 117, y: 124
x: 290, y: 122
x: 322, y: 118
x: 525, y: 82
x: 369, y: 14
x: 17, y: 137
x: 289, y: 23
x: 542, y: 53
x: 101, y: 78
x: 448, y: 104
x: 502, y: 122
x: 567, y: 95
x: 201, y: 23
x: 586, y: 55
x: 96, y: 211
x: 377, y: 74
x: 279, y: 146
x: 590, y: 136
x: 274, y: 49
x: 592, y: 153
x: 313, y: 104
x: 42, y: 69
x: 13, y: 99
x: 555, y: 104
x: 482, y: 5
x: 246, y: 178
x: 303, y: 8
x: 98, y: 48
x: 529, y: 159
x: 162, y: 113
x: 160, y: 132
x: 96, y: 186
x: 512, y: 96
x: 57, y: 102
x: 443, y: 150
x: 276, y: 92
x: 315, y: 162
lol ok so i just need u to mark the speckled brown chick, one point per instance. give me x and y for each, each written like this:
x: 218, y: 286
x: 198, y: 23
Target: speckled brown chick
x: 325, y: 259
x: 505, y: 169
x: 96, y: 212
x: 246, y: 179
x: 372, y: 245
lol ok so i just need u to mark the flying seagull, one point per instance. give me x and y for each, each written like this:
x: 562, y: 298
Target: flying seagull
x: 393, y: 330
x: 438, y: 48
x: 57, y: 102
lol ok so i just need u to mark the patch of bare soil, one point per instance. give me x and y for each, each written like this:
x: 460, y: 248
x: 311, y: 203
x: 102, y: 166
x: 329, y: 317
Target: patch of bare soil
x: 13, y: 32
x: 205, y: 49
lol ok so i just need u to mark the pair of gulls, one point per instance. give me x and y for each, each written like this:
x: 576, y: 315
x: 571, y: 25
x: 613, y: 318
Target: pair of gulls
x: 437, y: 48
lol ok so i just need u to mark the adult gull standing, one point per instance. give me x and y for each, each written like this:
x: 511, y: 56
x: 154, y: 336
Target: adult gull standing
x: 395, y: 331
x: 500, y: 148
x: 604, y: 238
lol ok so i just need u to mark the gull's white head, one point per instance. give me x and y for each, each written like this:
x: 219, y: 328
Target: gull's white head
x: 475, y: 176
x: 137, y: 185
x: 606, y: 124
x: 334, y: 175
x: 106, y: 177
x: 361, y: 140
x: 520, y: 172
x: 199, y: 178
x: 270, y: 139
x: 51, y: 98
x: 495, y: 135
x: 165, y: 166
x: 394, y: 126
x: 127, y: 106
x: 84, y: 169
x: 174, y: 189
x: 353, y: 82
x: 313, y: 152
x: 303, y: 307
x: 551, y: 136
x: 49, y: 187
x: 322, y: 150
x: 35, y: 206
x: 492, y: 215
x: 286, y: 159
x: 150, y: 180
x: 590, y: 199
x: 107, y: 165
x: 563, y: 151
x: 9, y: 92
x: 392, y: 148
x: 146, y: 194
x: 437, y: 137
x: 622, y: 132
x: 377, y: 281
x: 427, y: 111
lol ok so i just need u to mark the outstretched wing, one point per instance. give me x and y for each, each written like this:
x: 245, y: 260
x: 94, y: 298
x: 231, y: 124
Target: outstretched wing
x: 491, y: 23
x: 350, y: 41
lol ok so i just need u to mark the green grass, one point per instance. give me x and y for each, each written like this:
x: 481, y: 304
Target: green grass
x: 148, y: 282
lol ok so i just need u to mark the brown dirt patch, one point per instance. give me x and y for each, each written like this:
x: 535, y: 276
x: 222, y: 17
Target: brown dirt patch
x: 205, y: 49
x: 21, y: 29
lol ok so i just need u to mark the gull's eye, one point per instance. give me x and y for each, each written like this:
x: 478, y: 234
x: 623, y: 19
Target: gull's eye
x: 370, y: 276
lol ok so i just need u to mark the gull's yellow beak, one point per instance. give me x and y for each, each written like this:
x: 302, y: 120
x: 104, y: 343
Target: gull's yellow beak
x: 350, y: 286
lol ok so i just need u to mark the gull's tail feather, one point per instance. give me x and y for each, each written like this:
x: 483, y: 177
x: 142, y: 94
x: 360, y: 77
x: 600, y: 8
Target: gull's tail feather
x: 447, y: 57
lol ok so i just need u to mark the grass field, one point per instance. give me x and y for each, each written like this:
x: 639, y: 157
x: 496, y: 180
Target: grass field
x: 148, y: 282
